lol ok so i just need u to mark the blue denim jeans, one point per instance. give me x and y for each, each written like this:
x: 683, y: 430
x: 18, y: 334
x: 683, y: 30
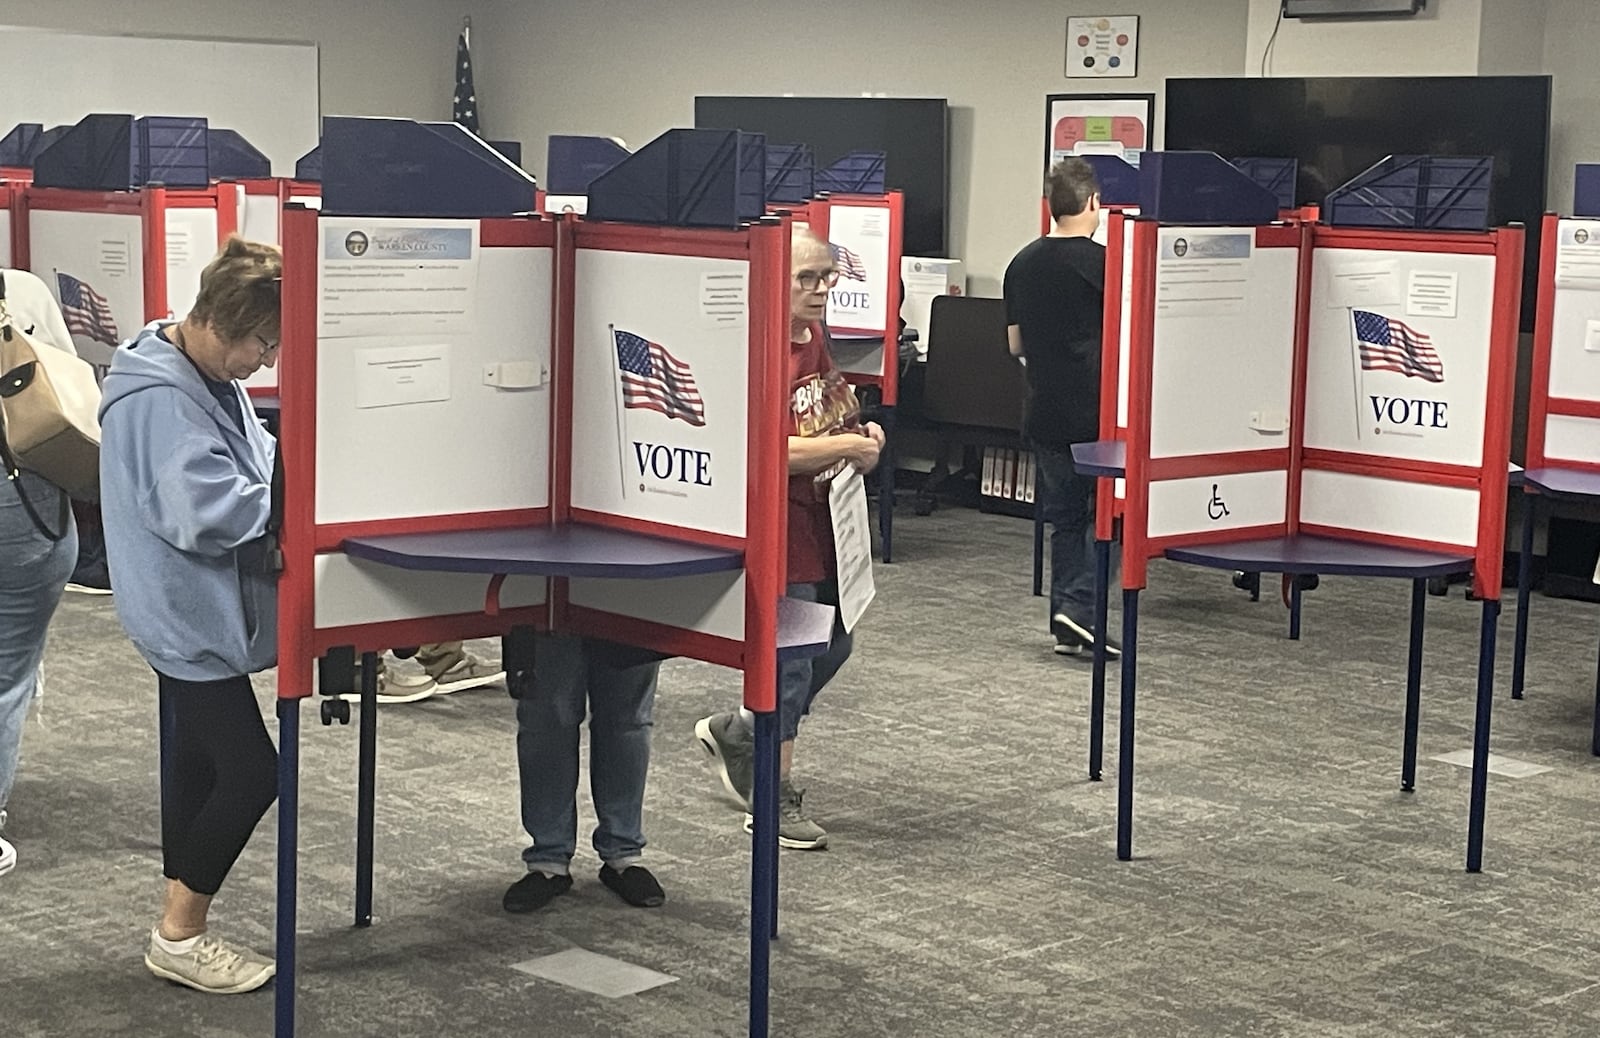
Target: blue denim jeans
x: 619, y: 692
x: 33, y: 570
x: 1067, y: 502
x: 799, y: 681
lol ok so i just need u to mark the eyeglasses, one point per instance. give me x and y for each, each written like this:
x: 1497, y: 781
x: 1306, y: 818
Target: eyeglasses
x: 810, y: 279
x: 268, y: 347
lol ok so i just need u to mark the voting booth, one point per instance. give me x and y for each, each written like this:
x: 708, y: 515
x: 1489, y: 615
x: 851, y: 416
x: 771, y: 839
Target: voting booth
x: 104, y: 225
x: 10, y: 201
x: 1564, y: 396
x: 1563, y: 443
x: 603, y: 410
x: 1314, y: 399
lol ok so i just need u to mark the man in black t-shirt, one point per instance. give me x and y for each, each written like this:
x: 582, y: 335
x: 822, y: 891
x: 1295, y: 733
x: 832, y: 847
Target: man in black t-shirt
x: 1055, y: 293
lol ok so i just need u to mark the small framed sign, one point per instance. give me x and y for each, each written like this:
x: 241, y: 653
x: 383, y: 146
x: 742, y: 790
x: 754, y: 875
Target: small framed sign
x: 1103, y: 47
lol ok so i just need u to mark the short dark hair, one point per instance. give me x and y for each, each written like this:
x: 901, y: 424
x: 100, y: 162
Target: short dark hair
x: 1069, y: 185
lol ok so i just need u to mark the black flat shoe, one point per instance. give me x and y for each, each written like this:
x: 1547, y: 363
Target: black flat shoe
x: 534, y: 891
x: 635, y: 885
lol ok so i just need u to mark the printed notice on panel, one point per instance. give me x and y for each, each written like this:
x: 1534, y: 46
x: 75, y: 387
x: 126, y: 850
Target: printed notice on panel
x: 114, y: 253
x: 1203, y: 274
x: 398, y: 278
x: 852, y: 539
x: 397, y: 375
x: 180, y: 245
x: 723, y: 294
x: 1578, y: 255
x: 1359, y: 285
x: 1432, y: 293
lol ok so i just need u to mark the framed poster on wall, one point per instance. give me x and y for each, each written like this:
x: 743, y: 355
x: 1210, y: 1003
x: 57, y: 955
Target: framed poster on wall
x: 1103, y: 47
x: 1116, y: 124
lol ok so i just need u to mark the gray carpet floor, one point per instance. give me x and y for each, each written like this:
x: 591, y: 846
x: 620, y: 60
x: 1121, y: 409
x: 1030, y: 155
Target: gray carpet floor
x: 1283, y: 885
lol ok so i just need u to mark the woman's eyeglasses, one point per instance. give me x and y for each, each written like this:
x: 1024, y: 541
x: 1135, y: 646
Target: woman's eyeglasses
x: 810, y: 279
x: 268, y: 348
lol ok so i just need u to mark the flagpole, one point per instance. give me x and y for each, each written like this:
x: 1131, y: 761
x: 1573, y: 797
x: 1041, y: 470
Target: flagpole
x: 616, y: 387
x: 1355, y: 356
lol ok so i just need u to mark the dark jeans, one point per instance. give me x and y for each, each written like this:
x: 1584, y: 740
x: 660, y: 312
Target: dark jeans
x: 224, y: 776
x: 1067, y: 502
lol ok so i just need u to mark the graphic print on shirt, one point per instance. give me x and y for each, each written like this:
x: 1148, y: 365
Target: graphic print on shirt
x: 823, y: 404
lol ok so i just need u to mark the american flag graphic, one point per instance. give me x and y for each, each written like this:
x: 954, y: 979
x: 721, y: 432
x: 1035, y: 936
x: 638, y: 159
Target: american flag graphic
x: 849, y: 264
x: 1391, y: 345
x: 655, y: 380
x: 87, y: 312
x: 464, y: 105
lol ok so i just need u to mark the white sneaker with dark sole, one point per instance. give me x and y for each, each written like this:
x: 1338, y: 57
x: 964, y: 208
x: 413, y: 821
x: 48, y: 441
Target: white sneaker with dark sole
x: 8, y: 856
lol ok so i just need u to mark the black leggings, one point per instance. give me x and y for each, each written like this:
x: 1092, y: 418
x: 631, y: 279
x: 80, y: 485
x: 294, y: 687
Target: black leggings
x: 223, y: 776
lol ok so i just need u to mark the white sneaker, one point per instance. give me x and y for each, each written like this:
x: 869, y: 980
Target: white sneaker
x: 210, y: 965
x: 395, y: 686
x: 467, y: 672
x: 8, y: 857
x: 88, y: 589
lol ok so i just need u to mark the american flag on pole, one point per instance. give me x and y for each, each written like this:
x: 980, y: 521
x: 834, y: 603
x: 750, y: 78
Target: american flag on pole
x: 1391, y: 345
x: 849, y: 264
x: 87, y: 312
x: 464, y: 109
x: 655, y: 380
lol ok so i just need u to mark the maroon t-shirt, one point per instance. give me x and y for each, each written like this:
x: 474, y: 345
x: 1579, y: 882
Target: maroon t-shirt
x: 821, y: 403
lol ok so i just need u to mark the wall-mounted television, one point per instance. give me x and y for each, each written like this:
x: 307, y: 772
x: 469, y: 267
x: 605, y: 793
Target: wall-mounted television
x: 912, y: 132
x: 1337, y: 127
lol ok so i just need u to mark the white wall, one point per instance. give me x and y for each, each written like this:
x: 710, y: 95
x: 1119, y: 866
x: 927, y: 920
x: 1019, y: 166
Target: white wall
x: 379, y: 57
x: 1440, y: 41
x: 632, y: 68
x: 1572, y: 27
x: 1511, y: 35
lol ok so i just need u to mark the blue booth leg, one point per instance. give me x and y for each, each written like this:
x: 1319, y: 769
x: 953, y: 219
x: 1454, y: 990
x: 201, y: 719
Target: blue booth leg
x: 1519, y: 648
x: 1480, y: 734
x: 1130, y: 657
x: 1097, y: 686
x: 366, y: 786
x: 1408, y: 765
x: 886, y: 486
x: 288, y: 851
x: 1594, y: 744
x: 763, y: 869
x: 1038, y: 545
x: 1294, y: 607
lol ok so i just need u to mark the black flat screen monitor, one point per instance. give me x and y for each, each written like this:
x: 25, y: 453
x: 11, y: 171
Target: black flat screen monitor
x: 911, y: 132
x: 1337, y: 127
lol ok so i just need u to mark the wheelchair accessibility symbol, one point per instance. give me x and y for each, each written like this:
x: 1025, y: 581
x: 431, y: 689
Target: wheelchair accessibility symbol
x: 1216, y: 508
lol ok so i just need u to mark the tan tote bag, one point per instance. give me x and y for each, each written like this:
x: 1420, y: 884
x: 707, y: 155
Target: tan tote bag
x: 49, y: 401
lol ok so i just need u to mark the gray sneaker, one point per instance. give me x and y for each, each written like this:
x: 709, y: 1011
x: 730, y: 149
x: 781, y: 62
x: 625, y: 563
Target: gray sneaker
x: 731, y: 747
x: 795, y: 830
x: 211, y: 965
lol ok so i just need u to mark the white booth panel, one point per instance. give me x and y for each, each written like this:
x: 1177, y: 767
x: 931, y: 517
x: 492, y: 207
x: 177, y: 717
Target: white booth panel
x: 353, y: 591
x: 1416, y: 511
x: 1223, y: 502
x: 712, y: 603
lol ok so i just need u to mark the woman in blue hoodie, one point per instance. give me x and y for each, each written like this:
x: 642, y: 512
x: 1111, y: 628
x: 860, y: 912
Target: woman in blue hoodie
x: 186, y: 475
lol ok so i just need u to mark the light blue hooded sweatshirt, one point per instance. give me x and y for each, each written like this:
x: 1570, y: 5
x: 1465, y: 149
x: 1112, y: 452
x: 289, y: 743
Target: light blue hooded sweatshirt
x: 185, y: 496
